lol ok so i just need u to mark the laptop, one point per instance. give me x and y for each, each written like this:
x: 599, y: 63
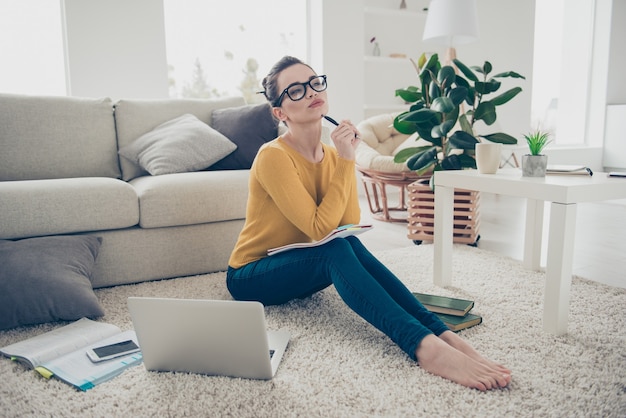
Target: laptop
x: 213, y: 337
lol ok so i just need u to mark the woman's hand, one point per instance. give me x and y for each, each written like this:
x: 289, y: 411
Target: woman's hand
x: 346, y: 138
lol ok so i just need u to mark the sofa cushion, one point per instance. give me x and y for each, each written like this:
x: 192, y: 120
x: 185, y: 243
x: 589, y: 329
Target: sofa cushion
x: 179, y: 145
x: 191, y: 198
x: 135, y: 117
x: 47, y: 279
x: 56, y: 137
x: 248, y: 127
x: 32, y: 208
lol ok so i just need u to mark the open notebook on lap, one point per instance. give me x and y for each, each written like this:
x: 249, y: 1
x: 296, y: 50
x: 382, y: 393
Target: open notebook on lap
x: 215, y: 337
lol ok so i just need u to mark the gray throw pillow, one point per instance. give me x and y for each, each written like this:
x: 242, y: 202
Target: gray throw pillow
x: 248, y: 127
x: 179, y: 145
x: 47, y: 279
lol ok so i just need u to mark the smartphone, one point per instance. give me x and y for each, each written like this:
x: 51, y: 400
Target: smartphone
x: 617, y: 174
x: 107, y: 352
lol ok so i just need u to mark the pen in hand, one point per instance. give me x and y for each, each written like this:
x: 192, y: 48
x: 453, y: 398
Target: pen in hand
x: 334, y: 122
x: 331, y: 120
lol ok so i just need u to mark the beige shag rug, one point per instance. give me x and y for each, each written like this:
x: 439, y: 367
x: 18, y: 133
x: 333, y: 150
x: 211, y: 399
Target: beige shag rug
x: 339, y: 366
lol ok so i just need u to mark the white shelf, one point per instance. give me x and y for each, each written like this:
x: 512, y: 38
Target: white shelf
x: 387, y: 60
x: 397, y: 31
x: 387, y: 107
x: 399, y: 13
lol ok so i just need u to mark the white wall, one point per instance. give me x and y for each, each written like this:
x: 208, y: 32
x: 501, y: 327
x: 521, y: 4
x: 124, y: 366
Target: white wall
x: 336, y: 50
x: 115, y: 48
x: 506, y: 40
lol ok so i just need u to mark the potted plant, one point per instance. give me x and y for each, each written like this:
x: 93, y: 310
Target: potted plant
x: 439, y: 116
x: 535, y: 163
x: 443, y: 112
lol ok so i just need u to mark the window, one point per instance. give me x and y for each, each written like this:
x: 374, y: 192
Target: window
x: 31, y: 47
x: 217, y: 48
x: 547, y: 62
x: 562, y: 69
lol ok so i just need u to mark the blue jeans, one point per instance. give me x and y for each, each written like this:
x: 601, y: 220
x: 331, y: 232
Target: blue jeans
x: 363, y: 282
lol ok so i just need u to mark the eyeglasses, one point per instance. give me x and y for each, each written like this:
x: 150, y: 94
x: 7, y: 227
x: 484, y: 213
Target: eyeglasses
x: 297, y: 91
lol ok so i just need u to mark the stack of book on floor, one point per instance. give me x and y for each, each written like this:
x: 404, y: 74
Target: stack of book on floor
x: 455, y: 313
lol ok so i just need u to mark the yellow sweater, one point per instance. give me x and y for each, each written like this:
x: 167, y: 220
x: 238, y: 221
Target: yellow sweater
x: 294, y: 200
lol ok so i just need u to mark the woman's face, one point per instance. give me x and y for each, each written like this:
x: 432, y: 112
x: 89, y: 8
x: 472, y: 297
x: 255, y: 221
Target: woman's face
x: 312, y: 106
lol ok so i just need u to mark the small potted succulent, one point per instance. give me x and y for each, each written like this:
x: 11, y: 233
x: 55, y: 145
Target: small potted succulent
x: 535, y: 163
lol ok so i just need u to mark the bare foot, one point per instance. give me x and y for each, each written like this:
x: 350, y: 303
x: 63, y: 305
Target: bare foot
x: 463, y: 346
x: 440, y: 358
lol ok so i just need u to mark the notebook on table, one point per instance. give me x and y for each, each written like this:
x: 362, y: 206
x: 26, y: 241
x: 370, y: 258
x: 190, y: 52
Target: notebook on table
x: 214, y: 337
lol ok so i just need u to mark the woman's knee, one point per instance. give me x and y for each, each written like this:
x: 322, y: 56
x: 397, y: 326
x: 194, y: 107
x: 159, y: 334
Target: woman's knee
x: 355, y: 243
x: 338, y: 247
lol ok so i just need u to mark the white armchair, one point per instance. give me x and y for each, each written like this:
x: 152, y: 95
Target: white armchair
x: 380, y: 142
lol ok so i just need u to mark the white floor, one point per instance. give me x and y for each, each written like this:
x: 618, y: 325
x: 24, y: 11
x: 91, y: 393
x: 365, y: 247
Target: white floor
x: 600, y: 241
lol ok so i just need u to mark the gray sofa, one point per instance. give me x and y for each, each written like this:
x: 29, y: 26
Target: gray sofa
x: 60, y: 174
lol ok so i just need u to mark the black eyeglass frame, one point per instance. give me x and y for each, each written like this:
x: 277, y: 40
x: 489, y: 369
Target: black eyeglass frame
x: 279, y: 101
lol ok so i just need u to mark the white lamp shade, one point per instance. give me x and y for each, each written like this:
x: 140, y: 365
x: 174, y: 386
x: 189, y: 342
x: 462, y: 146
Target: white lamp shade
x: 451, y: 22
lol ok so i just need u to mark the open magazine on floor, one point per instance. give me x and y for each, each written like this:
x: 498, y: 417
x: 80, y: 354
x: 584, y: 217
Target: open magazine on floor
x: 340, y: 232
x: 62, y: 353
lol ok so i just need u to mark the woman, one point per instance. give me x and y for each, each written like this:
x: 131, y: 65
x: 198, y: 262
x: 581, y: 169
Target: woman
x: 301, y: 189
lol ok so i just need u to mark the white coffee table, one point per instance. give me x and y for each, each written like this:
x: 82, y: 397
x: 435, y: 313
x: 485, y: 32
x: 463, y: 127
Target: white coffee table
x: 563, y: 191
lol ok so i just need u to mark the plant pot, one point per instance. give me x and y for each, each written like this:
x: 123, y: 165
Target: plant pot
x: 421, y: 214
x: 534, y: 165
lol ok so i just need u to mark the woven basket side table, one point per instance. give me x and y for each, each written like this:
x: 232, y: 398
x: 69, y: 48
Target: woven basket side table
x: 421, y: 213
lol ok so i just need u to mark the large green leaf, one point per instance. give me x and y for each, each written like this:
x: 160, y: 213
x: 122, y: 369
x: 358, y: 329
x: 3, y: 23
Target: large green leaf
x: 426, y: 78
x: 410, y: 95
x: 425, y: 132
x: 446, y: 76
x: 454, y: 115
x: 457, y: 95
x: 501, y: 138
x: 424, y: 117
x: 467, y: 161
x: 433, y: 64
x: 442, y: 130
x: 423, y: 159
x: 416, y: 106
x: 466, y: 126
x: 512, y: 74
x: 420, y: 115
x: 462, y: 140
x: 487, y: 67
x: 442, y: 104
x: 434, y: 91
x: 487, y: 87
x: 461, y: 82
x: 406, y: 128
x: 451, y: 162
x: 506, y: 96
x: 471, y: 96
x: 421, y: 121
x: 465, y: 70
x: 406, y: 153
x: 486, y: 111
x: 427, y: 169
